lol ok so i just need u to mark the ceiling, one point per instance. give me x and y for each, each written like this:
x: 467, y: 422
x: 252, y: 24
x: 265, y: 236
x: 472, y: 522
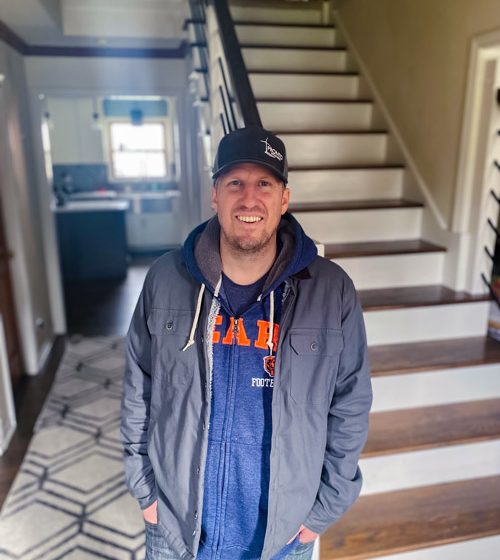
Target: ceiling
x: 110, y: 23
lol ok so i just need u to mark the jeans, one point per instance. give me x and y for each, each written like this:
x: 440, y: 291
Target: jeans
x: 157, y: 548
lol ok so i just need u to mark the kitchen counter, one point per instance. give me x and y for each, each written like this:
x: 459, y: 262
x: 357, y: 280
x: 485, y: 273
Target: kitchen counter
x: 93, y: 206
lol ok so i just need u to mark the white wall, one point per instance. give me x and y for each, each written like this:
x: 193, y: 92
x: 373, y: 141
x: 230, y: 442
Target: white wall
x: 21, y: 217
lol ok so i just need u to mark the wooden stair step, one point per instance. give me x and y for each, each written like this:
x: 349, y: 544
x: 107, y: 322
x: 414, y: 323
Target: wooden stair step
x: 353, y: 205
x: 333, y: 131
x: 290, y: 47
x: 345, y: 167
x: 396, y: 359
x: 404, y: 520
x: 379, y: 248
x: 315, y: 100
x: 349, y: 73
x: 433, y: 426
x: 414, y: 296
x: 285, y: 24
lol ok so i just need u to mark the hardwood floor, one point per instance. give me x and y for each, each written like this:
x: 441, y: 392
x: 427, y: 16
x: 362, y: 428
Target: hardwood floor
x: 93, y: 308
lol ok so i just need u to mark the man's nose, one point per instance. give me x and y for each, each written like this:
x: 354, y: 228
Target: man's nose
x: 249, y: 194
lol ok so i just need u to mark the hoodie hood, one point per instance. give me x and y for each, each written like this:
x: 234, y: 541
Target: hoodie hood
x: 202, y: 257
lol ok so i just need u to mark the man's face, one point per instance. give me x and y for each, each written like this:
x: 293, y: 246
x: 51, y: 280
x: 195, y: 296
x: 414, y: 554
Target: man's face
x: 249, y: 201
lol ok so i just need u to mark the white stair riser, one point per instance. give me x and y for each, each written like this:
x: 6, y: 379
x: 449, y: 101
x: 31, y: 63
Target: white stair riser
x: 478, y: 549
x: 315, y: 116
x: 299, y: 60
x: 274, y: 15
x: 335, y: 149
x: 433, y: 388
x: 297, y: 86
x: 430, y: 466
x: 391, y: 271
x: 361, y: 225
x: 284, y: 36
x: 439, y: 322
x: 345, y: 184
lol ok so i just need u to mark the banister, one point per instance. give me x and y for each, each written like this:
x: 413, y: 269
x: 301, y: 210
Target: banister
x: 236, y: 65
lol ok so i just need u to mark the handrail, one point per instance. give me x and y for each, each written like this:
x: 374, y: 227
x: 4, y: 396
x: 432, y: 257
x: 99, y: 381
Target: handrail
x: 236, y: 64
x: 491, y: 256
x: 490, y: 289
x: 226, y: 87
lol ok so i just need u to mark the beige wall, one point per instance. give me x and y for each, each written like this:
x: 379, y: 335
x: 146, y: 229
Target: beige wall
x: 417, y: 54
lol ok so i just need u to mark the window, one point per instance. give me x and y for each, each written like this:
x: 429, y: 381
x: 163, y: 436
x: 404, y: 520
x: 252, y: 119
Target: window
x: 138, y: 151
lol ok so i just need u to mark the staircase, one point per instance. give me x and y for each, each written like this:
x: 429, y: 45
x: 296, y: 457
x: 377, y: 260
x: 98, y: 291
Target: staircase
x: 432, y: 461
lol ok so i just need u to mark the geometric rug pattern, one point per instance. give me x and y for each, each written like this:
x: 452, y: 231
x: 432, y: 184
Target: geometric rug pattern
x: 69, y: 498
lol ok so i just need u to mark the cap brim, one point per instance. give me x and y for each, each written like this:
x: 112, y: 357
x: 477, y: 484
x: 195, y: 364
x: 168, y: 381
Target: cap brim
x: 247, y: 160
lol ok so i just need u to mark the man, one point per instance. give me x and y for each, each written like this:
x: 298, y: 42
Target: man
x: 247, y: 387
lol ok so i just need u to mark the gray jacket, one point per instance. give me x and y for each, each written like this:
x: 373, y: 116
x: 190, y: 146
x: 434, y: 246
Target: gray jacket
x: 321, y: 401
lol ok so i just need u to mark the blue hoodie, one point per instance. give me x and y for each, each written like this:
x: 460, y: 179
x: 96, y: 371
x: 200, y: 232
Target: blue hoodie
x: 236, y: 485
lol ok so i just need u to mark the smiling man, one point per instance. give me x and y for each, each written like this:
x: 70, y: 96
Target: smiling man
x: 247, y: 387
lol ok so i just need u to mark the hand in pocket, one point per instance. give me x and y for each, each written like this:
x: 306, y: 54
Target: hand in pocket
x: 150, y: 513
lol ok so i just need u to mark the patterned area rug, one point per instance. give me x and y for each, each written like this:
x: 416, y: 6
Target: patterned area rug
x: 69, y: 498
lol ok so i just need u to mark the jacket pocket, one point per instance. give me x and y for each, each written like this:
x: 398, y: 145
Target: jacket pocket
x: 169, y: 329
x: 315, y: 355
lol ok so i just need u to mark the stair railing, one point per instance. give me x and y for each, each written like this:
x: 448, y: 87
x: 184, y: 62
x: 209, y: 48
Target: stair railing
x: 490, y: 255
x: 220, y: 81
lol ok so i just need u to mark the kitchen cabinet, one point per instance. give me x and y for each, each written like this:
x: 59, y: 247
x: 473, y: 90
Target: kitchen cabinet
x: 73, y: 136
x: 92, y: 239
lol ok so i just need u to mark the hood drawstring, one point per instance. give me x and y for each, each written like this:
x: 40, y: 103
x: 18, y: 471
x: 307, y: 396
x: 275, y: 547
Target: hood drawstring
x: 271, y: 323
x: 190, y: 342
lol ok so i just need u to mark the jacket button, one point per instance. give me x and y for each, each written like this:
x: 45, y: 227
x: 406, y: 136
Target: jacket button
x: 194, y: 532
x: 198, y: 470
x: 314, y: 346
x: 202, y: 338
x: 169, y: 326
x: 203, y: 425
x: 196, y: 515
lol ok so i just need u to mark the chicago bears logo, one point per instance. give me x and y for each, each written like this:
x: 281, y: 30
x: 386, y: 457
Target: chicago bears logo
x: 269, y: 363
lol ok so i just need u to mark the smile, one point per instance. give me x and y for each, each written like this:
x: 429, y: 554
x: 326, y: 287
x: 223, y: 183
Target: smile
x: 249, y: 219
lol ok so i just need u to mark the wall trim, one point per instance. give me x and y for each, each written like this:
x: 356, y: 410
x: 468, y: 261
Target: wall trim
x: 484, y: 48
x: 429, y: 199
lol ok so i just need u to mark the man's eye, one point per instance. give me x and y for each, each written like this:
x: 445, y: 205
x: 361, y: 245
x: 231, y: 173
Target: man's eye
x: 234, y: 183
x: 265, y: 184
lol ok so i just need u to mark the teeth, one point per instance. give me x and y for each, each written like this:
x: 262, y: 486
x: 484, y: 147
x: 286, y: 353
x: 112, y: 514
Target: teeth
x: 249, y: 219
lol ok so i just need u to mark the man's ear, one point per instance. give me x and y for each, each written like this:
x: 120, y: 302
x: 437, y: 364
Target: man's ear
x: 213, y: 197
x: 285, y: 199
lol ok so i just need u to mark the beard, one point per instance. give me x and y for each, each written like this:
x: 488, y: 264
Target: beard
x: 249, y: 245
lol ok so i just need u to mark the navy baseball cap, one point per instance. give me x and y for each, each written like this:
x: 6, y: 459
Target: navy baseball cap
x: 252, y: 144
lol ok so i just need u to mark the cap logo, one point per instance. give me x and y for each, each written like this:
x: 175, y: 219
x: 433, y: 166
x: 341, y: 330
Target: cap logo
x: 270, y: 151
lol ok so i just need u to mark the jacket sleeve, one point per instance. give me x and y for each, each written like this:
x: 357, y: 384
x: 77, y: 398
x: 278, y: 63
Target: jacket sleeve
x: 347, y: 429
x: 136, y: 398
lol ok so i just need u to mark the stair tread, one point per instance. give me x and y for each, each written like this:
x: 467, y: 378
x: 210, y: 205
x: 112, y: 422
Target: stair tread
x: 414, y: 296
x: 343, y: 131
x: 291, y: 47
x: 396, y: 359
x: 285, y: 24
x: 433, y: 426
x: 322, y: 101
x: 377, y: 248
x: 389, y: 203
x: 346, y: 73
x: 346, y: 167
x: 403, y: 520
